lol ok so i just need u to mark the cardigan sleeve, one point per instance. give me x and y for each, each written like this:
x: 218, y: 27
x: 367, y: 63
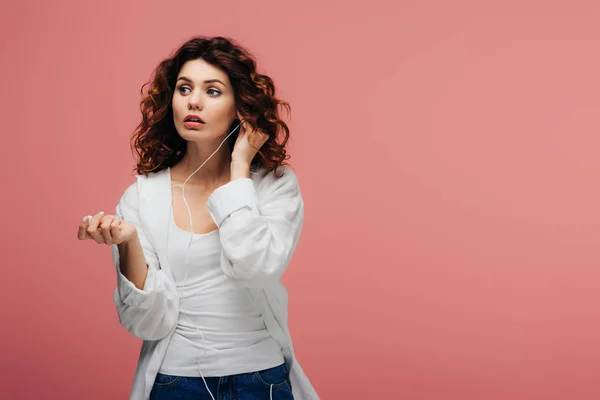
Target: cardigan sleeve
x: 149, y: 313
x: 259, y: 228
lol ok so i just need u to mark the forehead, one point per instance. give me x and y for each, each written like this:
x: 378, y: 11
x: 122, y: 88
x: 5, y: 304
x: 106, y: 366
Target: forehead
x: 200, y: 70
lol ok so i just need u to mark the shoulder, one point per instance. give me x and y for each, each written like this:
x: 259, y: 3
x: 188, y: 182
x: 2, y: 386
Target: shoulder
x: 141, y: 188
x: 130, y: 197
x: 282, y: 179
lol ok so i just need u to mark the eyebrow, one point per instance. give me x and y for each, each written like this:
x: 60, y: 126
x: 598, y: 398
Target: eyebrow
x: 183, y: 78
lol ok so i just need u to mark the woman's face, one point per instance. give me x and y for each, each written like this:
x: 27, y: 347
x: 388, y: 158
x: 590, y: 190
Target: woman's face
x: 205, y: 92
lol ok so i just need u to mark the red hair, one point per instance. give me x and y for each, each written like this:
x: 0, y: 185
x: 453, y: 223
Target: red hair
x: 156, y: 141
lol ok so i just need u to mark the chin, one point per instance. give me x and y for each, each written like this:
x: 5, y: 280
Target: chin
x: 197, y: 135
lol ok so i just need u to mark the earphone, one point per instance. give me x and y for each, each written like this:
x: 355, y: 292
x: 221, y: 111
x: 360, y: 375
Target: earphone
x: 205, y: 348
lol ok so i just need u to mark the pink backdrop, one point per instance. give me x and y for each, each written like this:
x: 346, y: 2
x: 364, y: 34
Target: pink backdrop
x: 448, y: 156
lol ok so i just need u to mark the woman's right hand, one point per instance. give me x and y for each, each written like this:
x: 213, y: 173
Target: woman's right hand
x: 106, y: 229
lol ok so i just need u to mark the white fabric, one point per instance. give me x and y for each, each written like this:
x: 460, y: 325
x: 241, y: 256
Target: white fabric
x: 259, y: 221
x: 220, y: 332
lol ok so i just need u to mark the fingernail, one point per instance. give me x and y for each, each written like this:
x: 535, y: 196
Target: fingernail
x: 101, y: 212
x: 85, y: 218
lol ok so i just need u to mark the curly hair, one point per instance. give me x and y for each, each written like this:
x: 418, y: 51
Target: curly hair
x: 156, y: 141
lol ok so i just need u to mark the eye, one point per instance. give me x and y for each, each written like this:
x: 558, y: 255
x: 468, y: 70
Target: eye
x: 182, y: 88
x: 213, y: 92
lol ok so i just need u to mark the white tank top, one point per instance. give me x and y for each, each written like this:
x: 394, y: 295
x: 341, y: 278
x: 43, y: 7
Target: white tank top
x: 229, y: 336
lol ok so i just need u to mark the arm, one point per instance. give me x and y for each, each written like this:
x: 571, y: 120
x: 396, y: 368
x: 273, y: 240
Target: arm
x: 145, y: 308
x: 259, y: 230
x: 132, y: 262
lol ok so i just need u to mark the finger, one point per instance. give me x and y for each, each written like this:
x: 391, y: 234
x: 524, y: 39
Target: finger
x: 264, y: 139
x: 248, y: 129
x: 115, y: 230
x: 241, y: 134
x: 116, y: 222
x: 257, y: 139
x: 110, y: 226
x: 82, y: 231
x: 242, y: 131
x: 104, y: 226
x: 92, y: 228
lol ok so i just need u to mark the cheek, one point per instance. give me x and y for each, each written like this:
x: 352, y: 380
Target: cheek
x: 225, y: 110
x: 177, y: 105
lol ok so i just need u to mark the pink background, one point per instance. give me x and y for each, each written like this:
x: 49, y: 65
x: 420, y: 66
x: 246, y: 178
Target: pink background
x: 448, y: 157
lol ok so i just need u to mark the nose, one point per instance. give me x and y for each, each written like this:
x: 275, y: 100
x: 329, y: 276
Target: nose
x: 195, y: 101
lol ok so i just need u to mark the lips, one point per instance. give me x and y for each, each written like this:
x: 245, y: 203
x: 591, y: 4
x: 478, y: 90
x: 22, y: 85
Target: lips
x: 193, y: 118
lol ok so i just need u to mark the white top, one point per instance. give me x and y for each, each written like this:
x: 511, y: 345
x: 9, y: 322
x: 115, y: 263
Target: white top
x: 220, y: 330
x: 259, y: 219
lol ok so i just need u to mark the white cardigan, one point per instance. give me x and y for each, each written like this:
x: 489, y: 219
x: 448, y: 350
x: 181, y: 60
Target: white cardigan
x: 259, y: 222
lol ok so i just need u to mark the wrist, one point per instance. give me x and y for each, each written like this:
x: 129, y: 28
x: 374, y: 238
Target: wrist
x: 125, y: 244
x: 239, y: 169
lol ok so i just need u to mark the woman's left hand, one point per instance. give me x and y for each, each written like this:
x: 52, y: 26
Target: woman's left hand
x: 247, y: 144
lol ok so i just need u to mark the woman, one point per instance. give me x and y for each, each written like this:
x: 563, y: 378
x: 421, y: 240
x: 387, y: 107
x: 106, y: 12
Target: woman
x: 201, y: 240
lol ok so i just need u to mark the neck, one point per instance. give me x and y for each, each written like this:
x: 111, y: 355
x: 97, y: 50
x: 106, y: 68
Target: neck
x: 218, y: 168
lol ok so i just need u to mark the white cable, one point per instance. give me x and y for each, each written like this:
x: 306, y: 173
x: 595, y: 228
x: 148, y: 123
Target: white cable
x: 188, y: 252
x: 185, y: 201
x: 187, y: 260
x: 206, y: 384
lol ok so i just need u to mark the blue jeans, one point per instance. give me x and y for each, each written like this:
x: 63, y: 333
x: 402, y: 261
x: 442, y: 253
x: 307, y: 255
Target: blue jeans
x: 260, y: 385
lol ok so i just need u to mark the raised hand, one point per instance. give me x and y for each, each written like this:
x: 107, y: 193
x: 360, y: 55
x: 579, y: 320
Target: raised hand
x: 106, y: 229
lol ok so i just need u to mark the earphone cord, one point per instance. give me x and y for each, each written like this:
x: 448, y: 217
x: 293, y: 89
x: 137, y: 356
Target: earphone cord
x: 188, y: 252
